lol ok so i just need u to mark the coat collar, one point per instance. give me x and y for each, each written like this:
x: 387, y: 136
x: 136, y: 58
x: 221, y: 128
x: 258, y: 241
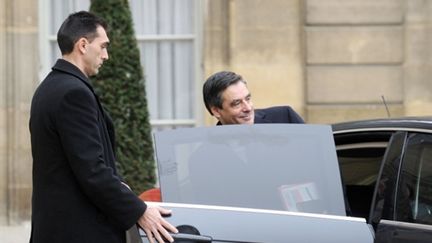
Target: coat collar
x: 260, y: 117
x: 67, y: 67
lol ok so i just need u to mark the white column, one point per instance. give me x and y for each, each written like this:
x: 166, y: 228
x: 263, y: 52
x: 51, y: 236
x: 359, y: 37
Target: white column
x: 18, y: 81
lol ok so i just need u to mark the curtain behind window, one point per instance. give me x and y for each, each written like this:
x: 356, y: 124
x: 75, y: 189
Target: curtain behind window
x: 165, y: 31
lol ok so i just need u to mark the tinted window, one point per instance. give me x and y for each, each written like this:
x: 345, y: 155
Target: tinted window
x: 383, y: 202
x: 414, y: 195
x: 360, y: 166
x: 271, y: 166
x: 360, y: 156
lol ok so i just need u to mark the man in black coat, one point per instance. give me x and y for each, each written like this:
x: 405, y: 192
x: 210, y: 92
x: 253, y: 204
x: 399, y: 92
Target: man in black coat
x: 78, y: 195
x: 227, y: 97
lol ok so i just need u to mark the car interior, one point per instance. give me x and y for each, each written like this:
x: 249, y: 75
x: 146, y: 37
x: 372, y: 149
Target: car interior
x: 360, y: 156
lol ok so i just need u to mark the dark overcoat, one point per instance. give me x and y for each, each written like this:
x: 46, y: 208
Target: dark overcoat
x: 77, y: 194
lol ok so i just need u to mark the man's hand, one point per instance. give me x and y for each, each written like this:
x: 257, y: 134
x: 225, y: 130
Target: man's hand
x: 154, y: 225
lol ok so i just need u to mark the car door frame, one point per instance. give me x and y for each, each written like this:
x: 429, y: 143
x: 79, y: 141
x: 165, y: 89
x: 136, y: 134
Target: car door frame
x: 383, y: 214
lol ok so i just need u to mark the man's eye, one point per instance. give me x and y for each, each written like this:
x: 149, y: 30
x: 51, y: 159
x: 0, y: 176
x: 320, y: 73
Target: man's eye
x: 236, y: 104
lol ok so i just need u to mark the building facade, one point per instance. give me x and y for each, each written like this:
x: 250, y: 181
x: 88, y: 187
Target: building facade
x: 331, y: 60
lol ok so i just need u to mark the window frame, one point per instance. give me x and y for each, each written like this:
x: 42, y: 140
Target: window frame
x: 45, y: 54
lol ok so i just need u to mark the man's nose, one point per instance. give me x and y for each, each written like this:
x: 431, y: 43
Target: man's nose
x: 105, y: 55
x: 247, y: 105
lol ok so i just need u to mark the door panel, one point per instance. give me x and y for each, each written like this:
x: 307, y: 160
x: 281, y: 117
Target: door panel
x: 227, y: 224
x: 399, y: 232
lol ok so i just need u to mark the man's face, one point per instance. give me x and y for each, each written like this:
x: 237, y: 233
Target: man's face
x: 237, y: 107
x: 96, y: 52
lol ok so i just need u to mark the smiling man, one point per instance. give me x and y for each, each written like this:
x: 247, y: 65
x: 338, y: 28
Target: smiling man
x: 227, y: 98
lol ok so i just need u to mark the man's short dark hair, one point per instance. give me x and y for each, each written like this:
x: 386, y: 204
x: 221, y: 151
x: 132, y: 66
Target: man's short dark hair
x: 215, y: 85
x: 78, y: 25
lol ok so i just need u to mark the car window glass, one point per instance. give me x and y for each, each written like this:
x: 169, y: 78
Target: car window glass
x: 270, y: 166
x: 414, y: 195
x: 359, y: 167
x: 383, y: 198
x: 360, y: 155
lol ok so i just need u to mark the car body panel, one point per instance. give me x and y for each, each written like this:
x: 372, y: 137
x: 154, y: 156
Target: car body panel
x: 229, y: 224
x: 401, y: 209
x: 423, y: 124
x: 390, y: 231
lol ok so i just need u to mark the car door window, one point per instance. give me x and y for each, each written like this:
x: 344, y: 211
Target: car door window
x: 360, y: 155
x: 289, y: 167
x: 414, y: 194
x: 383, y: 199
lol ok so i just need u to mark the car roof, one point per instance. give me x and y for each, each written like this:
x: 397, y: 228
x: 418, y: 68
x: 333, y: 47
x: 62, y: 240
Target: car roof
x: 422, y: 124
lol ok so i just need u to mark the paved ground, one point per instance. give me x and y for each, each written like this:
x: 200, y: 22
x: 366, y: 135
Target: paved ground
x: 15, y: 234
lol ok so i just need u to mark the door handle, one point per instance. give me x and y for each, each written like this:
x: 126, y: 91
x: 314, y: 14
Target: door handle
x: 189, y: 234
x: 182, y: 237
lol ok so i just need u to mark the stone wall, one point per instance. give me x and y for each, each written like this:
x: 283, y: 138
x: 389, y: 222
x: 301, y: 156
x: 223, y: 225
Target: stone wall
x: 354, y: 59
x: 417, y: 66
x: 332, y: 60
x: 18, y: 79
x: 261, y: 40
x: 3, y: 116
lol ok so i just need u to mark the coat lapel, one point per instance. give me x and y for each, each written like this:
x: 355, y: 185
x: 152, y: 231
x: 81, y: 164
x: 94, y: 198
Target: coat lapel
x: 67, y: 67
x: 260, y: 117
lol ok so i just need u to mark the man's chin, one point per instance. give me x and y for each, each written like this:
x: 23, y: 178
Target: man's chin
x: 247, y: 121
x: 95, y: 72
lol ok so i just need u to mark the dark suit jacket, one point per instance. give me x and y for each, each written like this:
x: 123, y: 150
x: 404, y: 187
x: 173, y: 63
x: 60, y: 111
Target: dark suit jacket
x: 77, y: 193
x: 276, y: 114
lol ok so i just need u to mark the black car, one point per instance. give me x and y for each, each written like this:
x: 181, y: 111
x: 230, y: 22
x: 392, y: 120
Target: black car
x: 386, y: 168
x: 359, y: 181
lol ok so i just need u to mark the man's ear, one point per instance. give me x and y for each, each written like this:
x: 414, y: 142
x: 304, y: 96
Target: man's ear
x: 215, y: 111
x: 81, y: 45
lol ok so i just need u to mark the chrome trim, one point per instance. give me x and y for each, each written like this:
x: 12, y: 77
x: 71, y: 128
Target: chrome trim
x: 362, y: 145
x: 254, y: 210
x: 406, y: 224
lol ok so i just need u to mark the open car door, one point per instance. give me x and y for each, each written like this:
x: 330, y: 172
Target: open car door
x: 256, y: 183
x: 290, y: 167
x: 202, y: 223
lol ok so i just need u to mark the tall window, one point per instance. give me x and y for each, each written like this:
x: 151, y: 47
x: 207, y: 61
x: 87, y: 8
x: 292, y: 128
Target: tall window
x: 168, y: 37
